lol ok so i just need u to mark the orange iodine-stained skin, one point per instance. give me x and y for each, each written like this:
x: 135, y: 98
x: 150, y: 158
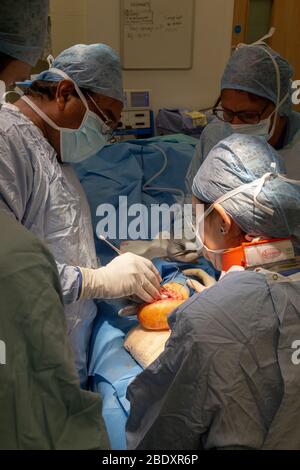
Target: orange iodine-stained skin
x: 154, y: 316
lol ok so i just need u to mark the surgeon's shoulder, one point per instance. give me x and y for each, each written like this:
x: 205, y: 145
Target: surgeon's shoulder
x: 237, y: 295
x: 15, y: 126
x: 9, y: 116
x: 215, y: 130
x: 213, y: 133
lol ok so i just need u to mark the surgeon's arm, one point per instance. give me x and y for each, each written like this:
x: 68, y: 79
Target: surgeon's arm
x: 16, y: 182
x: 71, y: 280
x: 127, y: 275
x: 124, y: 276
x: 16, y: 177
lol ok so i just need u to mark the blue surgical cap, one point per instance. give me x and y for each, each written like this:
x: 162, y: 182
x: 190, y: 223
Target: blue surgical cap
x: 251, y: 69
x: 239, y: 160
x: 23, y: 27
x: 96, y: 67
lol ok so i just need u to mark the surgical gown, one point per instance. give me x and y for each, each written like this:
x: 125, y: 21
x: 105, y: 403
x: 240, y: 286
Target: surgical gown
x: 218, y: 130
x: 41, y: 403
x: 47, y: 198
x: 226, y: 378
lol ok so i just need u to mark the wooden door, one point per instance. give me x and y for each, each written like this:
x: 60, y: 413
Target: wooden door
x: 240, y: 22
x: 286, y: 40
x: 285, y: 17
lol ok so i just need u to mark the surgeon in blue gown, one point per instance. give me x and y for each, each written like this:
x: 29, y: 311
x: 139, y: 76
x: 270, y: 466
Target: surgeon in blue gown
x: 256, y: 99
x: 67, y: 114
x: 228, y: 377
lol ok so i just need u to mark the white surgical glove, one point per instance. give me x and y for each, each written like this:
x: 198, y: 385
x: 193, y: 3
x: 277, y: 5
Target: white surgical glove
x: 125, y: 275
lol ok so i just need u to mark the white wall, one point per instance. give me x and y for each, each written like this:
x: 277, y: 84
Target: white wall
x: 90, y: 21
x: 68, y: 23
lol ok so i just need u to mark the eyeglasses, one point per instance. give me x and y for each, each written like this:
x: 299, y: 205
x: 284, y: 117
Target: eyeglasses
x: 108, y: 126
x: 247, y: 117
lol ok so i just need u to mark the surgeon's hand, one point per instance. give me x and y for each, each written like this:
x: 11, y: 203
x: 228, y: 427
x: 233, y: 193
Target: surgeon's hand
x: 125, y: 275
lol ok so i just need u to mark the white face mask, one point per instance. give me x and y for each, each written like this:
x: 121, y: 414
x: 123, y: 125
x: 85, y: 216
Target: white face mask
x: 215, y: 256
x: 261, y: 129
x: 77, y: 144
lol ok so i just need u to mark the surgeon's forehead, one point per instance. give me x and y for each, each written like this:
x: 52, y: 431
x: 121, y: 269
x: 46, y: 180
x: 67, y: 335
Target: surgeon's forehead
x: 237, y: 100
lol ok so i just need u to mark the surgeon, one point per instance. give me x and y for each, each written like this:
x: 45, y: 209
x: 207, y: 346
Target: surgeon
x: 256, y: 99
x: 68, y: 114
x: 41, y: 404
x: 228, y: 376
x: 23, y: 27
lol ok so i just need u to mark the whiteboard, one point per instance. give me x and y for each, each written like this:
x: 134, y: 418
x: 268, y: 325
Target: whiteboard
x: 157, y: 34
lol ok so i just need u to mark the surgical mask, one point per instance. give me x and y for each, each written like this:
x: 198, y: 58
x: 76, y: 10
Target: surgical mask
x: 262, y: 128
x: 77, y: 144
x: 215, y: 256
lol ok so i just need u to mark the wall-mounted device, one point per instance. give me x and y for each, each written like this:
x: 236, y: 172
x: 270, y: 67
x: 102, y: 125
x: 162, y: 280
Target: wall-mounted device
x: 137, y: 118
x: 137, y: 99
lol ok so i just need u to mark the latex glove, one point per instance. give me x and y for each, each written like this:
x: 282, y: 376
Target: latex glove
x: 125, y: 275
